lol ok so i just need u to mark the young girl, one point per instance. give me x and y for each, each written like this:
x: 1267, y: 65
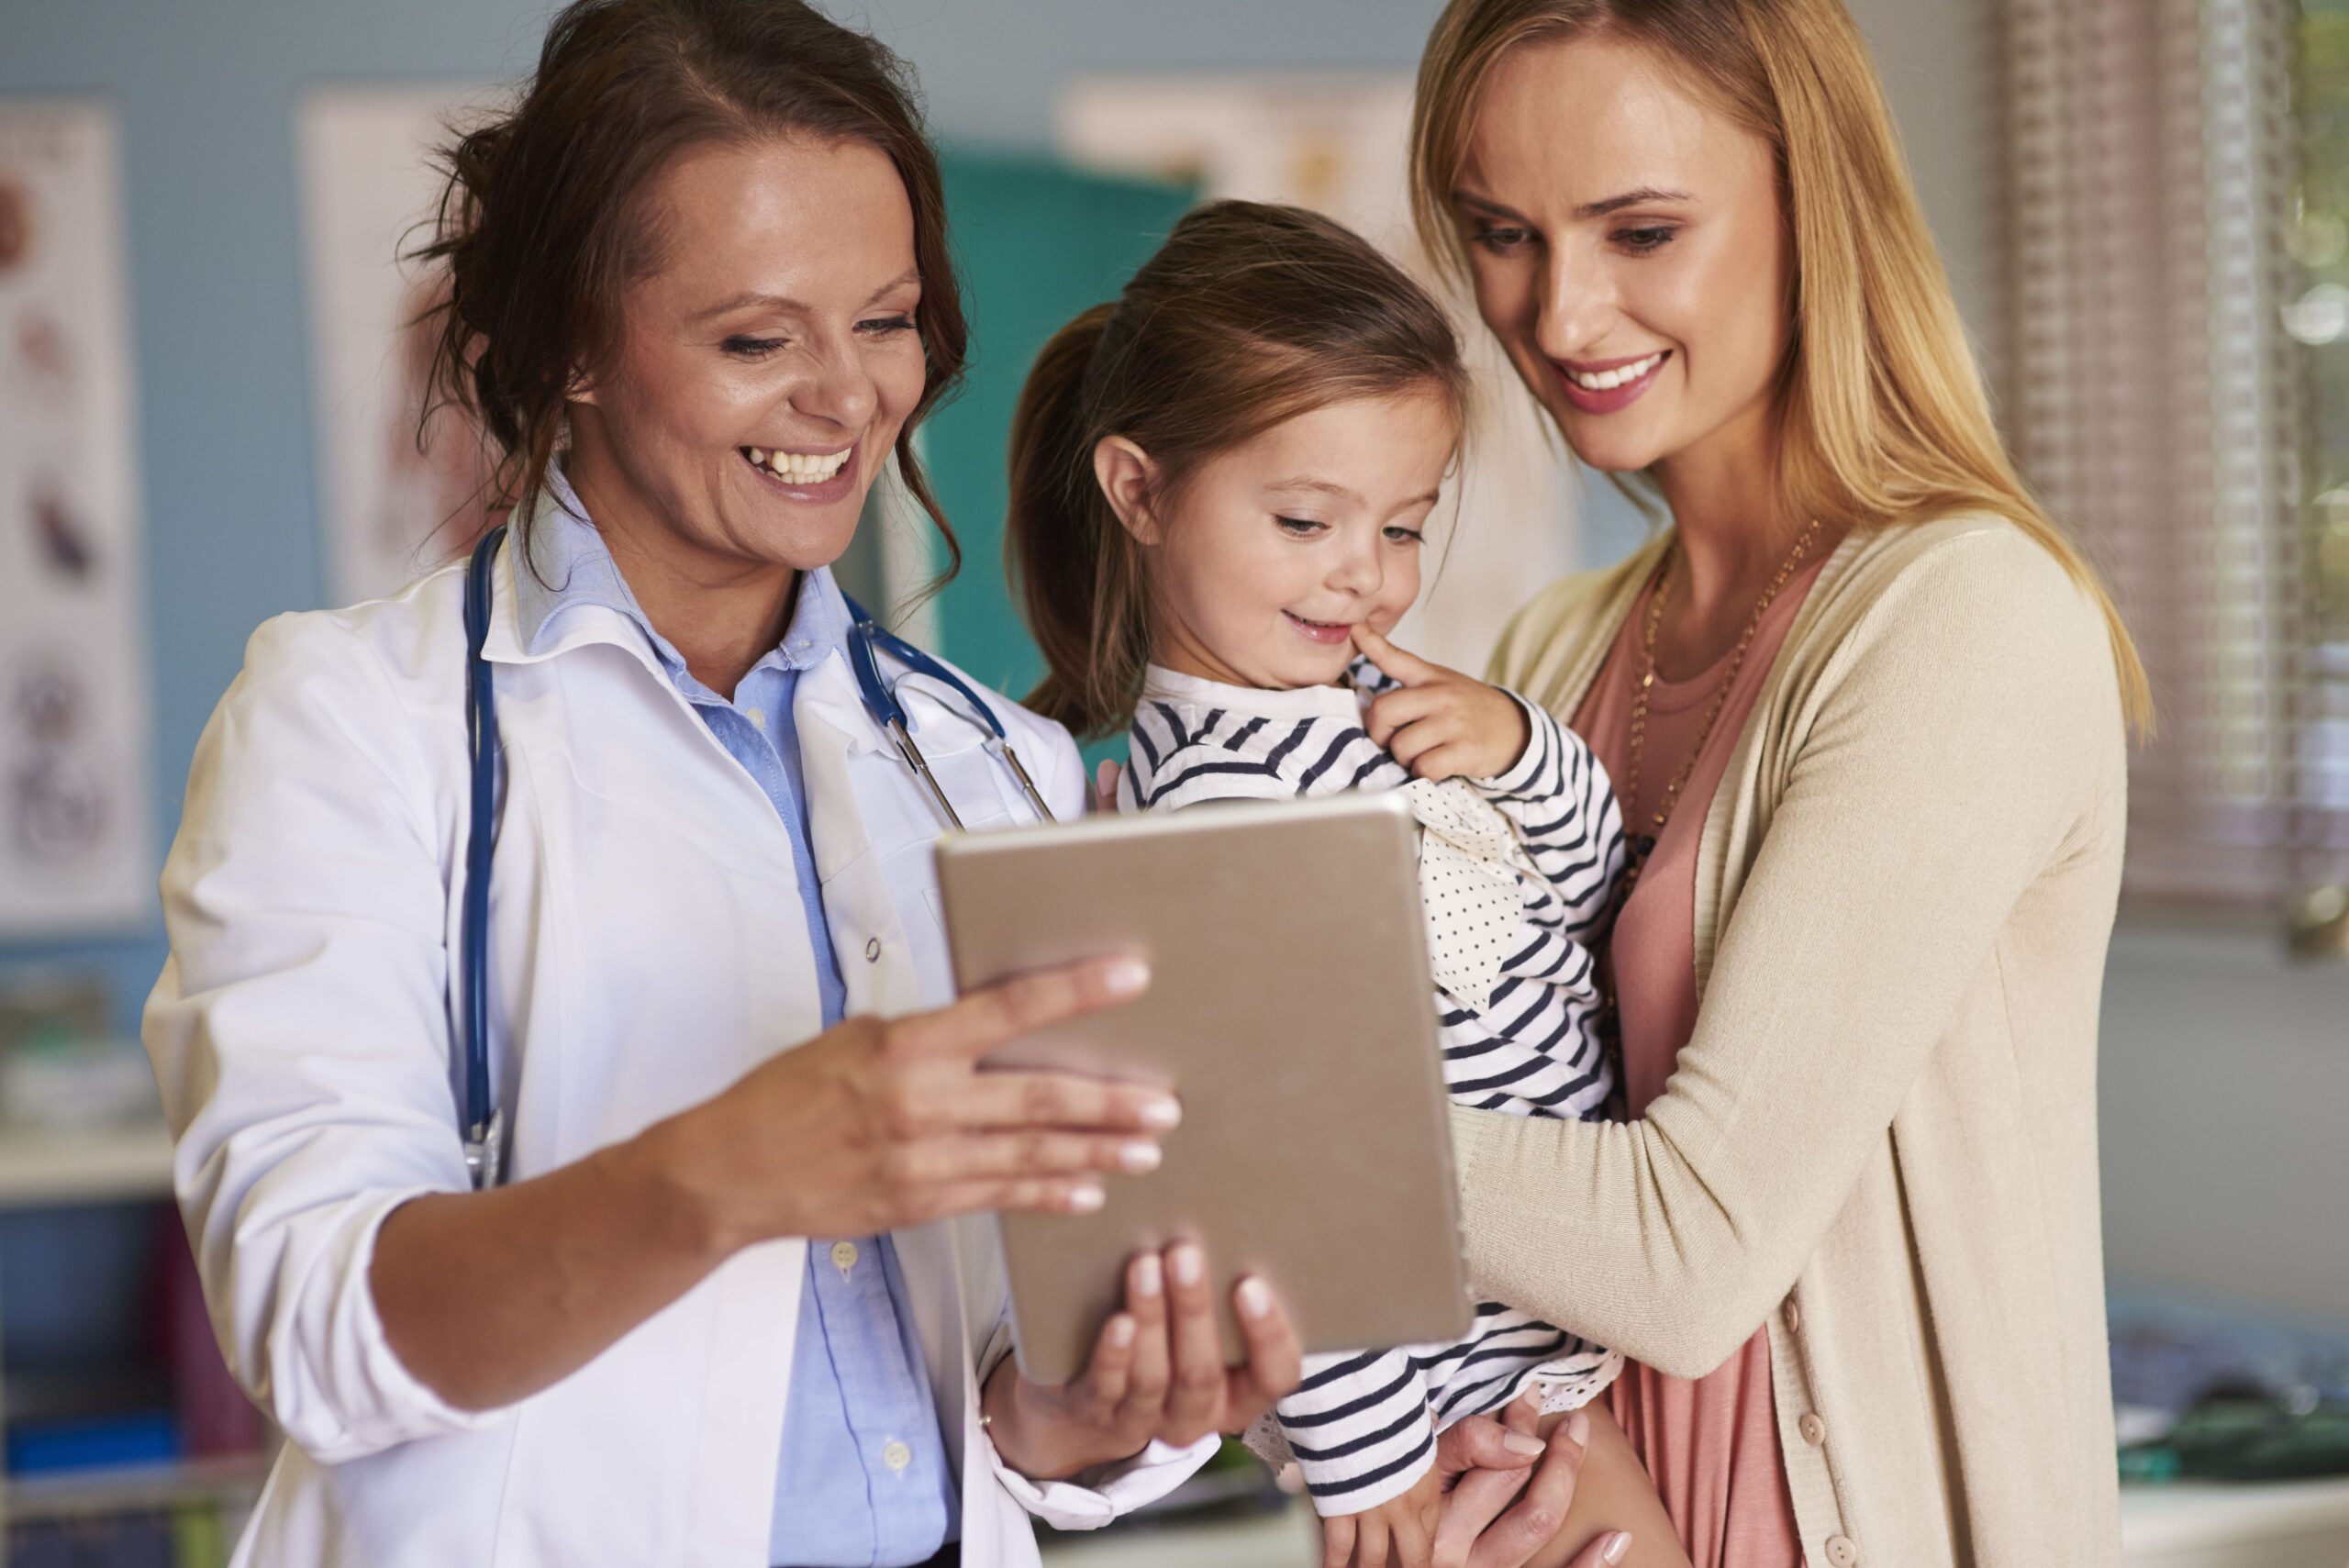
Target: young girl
x: 1220, y: 487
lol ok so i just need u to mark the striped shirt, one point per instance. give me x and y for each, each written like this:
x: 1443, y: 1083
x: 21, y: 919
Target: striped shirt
x: 1362, y: 1427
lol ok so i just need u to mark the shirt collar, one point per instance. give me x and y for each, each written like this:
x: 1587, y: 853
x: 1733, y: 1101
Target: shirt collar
x: 571, y: 569
x: 1299, y: 703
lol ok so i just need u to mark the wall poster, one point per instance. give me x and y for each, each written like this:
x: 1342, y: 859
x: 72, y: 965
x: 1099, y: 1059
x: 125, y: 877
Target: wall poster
x: 76, y: 811
x: 395, y: 506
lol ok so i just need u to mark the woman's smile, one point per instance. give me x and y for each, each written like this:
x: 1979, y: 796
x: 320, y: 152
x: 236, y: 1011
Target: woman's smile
x: 807, y: 476
x: 1602, y: 386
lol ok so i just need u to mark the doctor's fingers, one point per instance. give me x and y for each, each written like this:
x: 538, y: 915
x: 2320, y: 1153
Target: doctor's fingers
x: 1148, y: 1374
x: 1037, y: 1101
x: 1276, y: 1356
x: 1195, y: 1397
x: 985, y: 1020
x: 957, y: 1160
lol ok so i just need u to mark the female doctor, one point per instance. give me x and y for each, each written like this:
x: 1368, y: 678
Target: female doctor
x: 726, y: 1307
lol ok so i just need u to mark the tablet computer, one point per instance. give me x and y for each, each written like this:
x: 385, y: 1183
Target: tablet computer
x: 1289, y: 1008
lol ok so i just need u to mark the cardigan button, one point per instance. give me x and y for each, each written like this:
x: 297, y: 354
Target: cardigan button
x: 1813, y: 1430
x: 1794, y: 1317
x: 1842, y: 1553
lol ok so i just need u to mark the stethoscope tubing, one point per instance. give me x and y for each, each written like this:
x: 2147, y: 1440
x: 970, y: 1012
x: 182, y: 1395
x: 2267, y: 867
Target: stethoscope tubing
x: 482, y: 1121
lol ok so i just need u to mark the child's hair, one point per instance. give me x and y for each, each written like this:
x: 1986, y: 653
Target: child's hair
x: 1249, y: 315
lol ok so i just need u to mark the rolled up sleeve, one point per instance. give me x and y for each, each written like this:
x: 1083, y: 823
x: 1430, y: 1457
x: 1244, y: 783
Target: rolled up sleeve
x: 1093, y: 1497
x: 300, y: 1030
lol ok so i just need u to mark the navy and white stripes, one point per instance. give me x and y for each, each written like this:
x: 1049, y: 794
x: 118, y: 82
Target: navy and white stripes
x: 1362, y: 1427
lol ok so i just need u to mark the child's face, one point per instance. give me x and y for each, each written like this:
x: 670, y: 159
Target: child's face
x: 1279, y: 548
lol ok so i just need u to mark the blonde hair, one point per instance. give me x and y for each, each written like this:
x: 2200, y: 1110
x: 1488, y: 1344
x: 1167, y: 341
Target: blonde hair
x: 1881, y: 415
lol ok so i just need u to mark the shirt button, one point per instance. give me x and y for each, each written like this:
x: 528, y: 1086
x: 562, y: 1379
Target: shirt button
x: 896, y: 1456
x: 758, y: 715
x: 843, y: 1257
x: 1813, y: 1430
x: 873, y: 950
x: 1842, y: 1553
x: 1794, y: 1317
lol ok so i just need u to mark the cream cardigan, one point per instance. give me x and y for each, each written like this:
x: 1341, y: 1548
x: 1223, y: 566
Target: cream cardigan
x: 1881, y: 1139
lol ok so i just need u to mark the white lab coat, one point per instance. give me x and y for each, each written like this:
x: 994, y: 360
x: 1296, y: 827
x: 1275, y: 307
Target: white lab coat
x: 648, y: 948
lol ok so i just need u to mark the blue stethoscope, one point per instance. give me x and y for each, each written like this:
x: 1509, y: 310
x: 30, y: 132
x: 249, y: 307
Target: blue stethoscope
x: 484, y: 1122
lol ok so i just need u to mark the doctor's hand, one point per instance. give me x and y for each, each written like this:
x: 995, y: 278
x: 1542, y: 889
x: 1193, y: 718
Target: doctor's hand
x: 1156, y: 1373
x: 873, y: 1126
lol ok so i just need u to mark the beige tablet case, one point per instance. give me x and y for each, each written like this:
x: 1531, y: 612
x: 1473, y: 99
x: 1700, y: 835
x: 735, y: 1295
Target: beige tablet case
x: 1290, y: 1010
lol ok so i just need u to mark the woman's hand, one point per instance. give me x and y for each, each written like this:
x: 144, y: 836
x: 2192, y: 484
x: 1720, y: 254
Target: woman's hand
x: 1156, y: 1371
x: 1440, y: 723
x: 1494, y: 1514
x: 873, y: 1126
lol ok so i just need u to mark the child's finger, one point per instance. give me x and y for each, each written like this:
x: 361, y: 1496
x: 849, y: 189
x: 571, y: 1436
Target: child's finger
x: 1408, y: 668
x: 1370, y: 1546
x: 1410, y: 744
x: 1413, y: 1545
x: 1337, y: 1540
x: 1445, y: 760
x: 1392, y: 710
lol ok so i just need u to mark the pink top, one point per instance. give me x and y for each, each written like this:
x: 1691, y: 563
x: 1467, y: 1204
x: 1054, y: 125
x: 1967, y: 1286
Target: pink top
x: 1711, y: 1443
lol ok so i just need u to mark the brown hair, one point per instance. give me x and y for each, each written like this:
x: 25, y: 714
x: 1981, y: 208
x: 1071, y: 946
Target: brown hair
x: 542, y: 220
x: 1247, y: 315
x: 1881, y: 415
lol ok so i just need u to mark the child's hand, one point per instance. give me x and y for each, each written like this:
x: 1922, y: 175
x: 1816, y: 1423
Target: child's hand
x: 1397, y: 1534
x: 1442, y: 724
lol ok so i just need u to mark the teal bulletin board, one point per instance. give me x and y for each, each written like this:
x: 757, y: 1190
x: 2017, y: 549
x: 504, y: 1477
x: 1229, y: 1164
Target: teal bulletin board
x: 1037, y: 242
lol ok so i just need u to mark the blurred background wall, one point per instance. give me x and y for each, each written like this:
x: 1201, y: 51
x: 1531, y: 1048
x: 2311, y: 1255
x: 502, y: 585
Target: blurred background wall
x: 2226, y: 1070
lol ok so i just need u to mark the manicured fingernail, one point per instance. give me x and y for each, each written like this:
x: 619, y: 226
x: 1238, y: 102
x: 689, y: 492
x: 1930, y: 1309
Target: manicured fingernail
x: 1255, y: 1297
x: 1084, y: 1199
x: 1165, y: 1115
x: 1125, y: 976
x: 1578, y: 1428
x: 1522, y: 1443
x: 1148, y: 1280
x: 1188, y: 1266
x: 1121, y: 1331
x: 1620, y: 1548
x: 1141, y: 1154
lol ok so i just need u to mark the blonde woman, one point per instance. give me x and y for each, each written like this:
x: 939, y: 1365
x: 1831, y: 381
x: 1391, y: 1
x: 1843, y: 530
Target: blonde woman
x: 1867, y: 709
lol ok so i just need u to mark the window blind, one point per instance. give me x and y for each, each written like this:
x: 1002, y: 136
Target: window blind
x: 2164, y: 397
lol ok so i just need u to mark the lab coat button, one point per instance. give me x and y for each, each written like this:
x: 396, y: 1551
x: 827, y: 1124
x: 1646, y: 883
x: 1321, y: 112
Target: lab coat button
x: 1842, y: 1553
x: 896, y: 1456
x: 1813, y: 1430
x: 843, y: 1257
x: 873, y: 950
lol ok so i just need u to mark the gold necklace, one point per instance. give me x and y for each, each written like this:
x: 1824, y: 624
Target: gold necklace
x: 1643, y: 845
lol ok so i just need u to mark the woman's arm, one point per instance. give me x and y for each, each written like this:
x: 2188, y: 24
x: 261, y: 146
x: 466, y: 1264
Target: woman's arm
x: 488, y: 1297
x: 299, y: 1033
x: 1961, y: 737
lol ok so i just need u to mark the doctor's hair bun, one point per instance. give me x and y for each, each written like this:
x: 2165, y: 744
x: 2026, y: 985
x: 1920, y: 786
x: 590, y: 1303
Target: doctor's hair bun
x: 541, y: 222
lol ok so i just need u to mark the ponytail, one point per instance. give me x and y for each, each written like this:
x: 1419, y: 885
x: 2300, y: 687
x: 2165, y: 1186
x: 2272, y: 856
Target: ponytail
x: 1079, y: 571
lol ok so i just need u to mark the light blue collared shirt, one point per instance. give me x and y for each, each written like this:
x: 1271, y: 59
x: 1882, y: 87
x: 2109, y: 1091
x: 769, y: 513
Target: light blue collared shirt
x: 863, y: 1480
